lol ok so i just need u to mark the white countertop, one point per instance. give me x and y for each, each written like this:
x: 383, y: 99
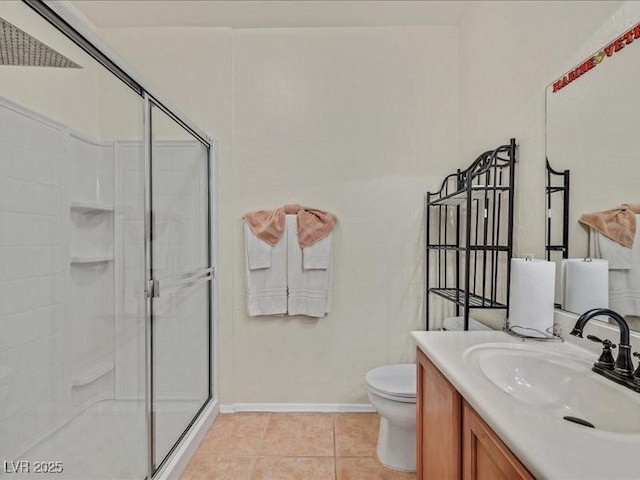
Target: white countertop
x: 548, y: 446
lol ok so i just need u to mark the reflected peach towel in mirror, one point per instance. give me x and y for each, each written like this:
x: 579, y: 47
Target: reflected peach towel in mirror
x: 617, y: 224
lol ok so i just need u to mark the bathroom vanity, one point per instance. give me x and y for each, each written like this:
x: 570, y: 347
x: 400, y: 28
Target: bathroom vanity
x: 452, y: 439
x: 492, y: 406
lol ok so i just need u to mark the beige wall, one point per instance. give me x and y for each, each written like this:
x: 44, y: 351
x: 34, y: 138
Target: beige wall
x: 591, y: 131
x: 509, y: 53
x: 356, y: 121
x: 360, y: 122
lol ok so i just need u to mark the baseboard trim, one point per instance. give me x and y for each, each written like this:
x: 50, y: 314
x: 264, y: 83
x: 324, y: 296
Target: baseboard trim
x: 297, y: 407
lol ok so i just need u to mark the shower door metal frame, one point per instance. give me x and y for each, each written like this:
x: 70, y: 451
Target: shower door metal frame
x: 68, y: 23
x: 148, y: 304
x: 152, y: 285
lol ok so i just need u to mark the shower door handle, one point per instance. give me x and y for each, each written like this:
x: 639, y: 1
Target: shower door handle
x: 181, y: 281
x: 153, y: 286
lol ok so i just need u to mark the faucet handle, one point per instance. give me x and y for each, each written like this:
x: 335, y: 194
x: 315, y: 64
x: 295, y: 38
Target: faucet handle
x: 636, y: 374
x: 593, y: 338
x: 606, y: 359
x: 606, y: 343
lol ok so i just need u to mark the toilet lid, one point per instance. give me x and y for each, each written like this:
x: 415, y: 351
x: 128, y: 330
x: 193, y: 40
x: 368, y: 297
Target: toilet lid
x: 394, y: 380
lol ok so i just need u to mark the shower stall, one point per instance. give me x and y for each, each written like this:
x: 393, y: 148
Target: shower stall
x: 107, y: 260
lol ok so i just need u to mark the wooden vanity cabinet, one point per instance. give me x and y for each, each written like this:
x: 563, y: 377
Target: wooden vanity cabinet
x: 453, y: 442
x: 484, y: 456
x: 439, y: 432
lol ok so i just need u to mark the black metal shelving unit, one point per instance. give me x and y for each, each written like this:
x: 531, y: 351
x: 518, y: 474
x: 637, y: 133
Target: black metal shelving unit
x: 469, y: 235
x: 555, y: 189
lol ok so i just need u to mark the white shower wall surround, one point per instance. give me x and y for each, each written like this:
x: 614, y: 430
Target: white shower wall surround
x: 35, y: 381
x: 71, y: 291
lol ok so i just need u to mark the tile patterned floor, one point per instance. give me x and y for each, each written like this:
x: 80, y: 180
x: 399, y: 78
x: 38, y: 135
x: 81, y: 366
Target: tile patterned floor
x: 291, y: 446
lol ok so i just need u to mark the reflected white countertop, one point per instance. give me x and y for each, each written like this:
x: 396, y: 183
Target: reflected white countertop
x: 547, y: 445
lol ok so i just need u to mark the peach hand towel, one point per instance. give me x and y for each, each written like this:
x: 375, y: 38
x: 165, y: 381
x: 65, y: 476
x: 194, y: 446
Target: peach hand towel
x: 313, y: 224
x: 617, y: 224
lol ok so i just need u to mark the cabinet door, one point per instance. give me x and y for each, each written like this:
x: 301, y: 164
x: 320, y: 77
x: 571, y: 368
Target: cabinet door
x: 484, y: 455
x: 439, y: 427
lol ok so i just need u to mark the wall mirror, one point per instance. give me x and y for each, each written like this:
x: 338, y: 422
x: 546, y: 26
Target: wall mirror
x: 591, y: 131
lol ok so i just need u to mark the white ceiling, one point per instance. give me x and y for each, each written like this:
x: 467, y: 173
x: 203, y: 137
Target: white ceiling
x: 269, y: 13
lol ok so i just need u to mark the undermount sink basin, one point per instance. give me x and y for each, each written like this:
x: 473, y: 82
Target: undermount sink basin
x: 561, y: 385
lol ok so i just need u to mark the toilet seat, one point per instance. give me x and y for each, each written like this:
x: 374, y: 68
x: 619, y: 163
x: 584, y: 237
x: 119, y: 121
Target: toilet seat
x: 393, y: 382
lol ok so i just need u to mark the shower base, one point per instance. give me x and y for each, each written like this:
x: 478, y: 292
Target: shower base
x: 107, y: 441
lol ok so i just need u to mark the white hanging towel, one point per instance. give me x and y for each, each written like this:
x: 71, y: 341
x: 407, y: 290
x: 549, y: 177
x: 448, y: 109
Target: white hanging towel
x: 308, y: 273
x: 618, y: 256
x: 318, y: 255
x: 624, y: 284
x: 266, y: 271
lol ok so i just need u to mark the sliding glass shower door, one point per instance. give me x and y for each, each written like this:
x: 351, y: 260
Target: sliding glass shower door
x: 181, y: 272
x: 72, y: 305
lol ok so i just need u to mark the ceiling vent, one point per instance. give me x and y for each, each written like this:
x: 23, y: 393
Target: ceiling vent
x: 18, y: 48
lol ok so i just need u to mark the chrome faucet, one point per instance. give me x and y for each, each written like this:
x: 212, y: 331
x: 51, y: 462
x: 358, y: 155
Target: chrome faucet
x: 622, y: 371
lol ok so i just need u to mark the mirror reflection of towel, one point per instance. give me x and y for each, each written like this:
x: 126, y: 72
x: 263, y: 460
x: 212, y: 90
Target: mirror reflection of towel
x: 624, y: 284
x: 617, y: 224
x: 619, y: 257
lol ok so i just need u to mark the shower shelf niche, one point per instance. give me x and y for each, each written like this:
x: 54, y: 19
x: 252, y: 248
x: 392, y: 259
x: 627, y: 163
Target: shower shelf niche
x: 92, y: 373
x: 90, y: 207
x: 83, y: 260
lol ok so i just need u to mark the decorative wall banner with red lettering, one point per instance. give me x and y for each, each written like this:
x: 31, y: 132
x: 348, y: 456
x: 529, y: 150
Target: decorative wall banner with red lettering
x: 595, y: 60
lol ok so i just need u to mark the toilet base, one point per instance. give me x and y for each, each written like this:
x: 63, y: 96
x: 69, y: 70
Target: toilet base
x: 397, y: 446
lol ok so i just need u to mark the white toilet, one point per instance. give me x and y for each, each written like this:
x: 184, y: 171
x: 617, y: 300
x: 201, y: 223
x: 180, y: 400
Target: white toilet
x: 392, y: 392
